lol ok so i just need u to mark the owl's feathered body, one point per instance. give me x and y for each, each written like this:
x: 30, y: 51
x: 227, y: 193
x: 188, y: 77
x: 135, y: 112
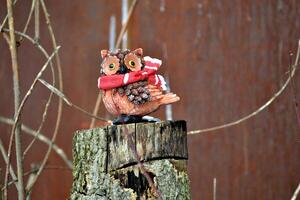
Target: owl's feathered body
x: 118, y: 104
x: 129, y: 86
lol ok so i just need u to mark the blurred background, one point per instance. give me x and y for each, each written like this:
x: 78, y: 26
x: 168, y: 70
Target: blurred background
x: 223, y: 58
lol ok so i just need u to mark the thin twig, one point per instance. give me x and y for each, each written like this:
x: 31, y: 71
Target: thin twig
x: 43, y: 51
x: 64, y: 157
x: 95, y: 112
x: 4, y: 155
x: 59, y: 151
x: 44, y: 116
x: 16, y: 88
x: 35, y: 170
x: 296, y: 193
x: 29, y: 93
x: 264, y: 106
x: 44, y: 113
x: 215, y: 189
x: 60, y: 86
x: 16, y: 126
x: 28, y: 19
x: 124, y: 27
x: 124, y: 17
x: 40, y: 127
x: 293, y: 90
x: 68, y: 102
x: 5, y: 19
x: 18, y: 114
x: 40, y: 47
x: 121, y: 34
x: 59, y: 112
x: 37, y: 20
x: 9, y: 145
x: 30, y: 39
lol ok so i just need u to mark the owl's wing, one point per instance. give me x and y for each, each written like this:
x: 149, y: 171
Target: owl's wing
x: 156, y: 92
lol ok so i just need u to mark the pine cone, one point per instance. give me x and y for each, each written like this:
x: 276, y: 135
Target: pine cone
x: 121, y: 91
x: 144, y: 96
x: 136, y: 92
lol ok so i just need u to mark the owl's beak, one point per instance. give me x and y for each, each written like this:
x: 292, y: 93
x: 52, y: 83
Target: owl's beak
x: 123, y: 70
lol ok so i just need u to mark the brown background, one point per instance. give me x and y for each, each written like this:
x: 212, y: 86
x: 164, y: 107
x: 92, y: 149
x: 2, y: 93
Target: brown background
x: 223, y: 58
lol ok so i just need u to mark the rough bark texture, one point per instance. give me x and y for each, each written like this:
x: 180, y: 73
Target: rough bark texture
x: 105, y: 165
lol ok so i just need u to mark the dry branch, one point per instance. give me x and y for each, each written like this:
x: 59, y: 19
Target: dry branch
x: 5, y: 158
x: 60, y: 100
x: 40, y: 47
x: 263, y: 107
x: 294, y: 197
x: 37, y: 20
x: 16, y: 88
x: 60, y: 152
x: 44, y: 116
x: 59, y: 112
x: 5, y: 19
x: 28, y: 19
x: 44, y: 67
x: 125, y: 25
x: 96, y: 109
x: 34, y: 170
x: 68, y: 102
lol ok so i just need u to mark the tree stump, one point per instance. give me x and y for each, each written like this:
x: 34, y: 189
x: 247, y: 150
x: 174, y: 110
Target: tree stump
x: 114, y: 162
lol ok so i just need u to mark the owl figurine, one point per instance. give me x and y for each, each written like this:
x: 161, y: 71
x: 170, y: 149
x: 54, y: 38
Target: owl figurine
x: 131, y: 88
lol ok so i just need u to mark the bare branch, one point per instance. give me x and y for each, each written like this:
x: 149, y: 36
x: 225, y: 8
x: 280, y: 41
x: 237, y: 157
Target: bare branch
x: 32, y: 87
x: 68, y: 102
x: 51, y: 66
x: 59, y: 112
x: 59, y: 151
x: 37, y: 20
x: 28, y: 19
x: 5, y: 19
x: 95, y: 112
x: 264, y: 106
x: 124, y: 27
x: 40, y: 127
x: 16, y: 88
x: 4, y: 155
x: 34, y: 170
x: 296, y: 193
x: 44, y: 116
x: 295, y: 101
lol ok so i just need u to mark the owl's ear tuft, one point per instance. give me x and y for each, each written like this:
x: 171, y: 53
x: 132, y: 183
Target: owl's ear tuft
x: 138, y: 51
x: 104, y: 53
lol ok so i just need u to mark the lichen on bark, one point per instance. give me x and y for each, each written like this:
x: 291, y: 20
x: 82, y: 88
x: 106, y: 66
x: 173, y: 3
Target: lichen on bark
x: 95, y: 175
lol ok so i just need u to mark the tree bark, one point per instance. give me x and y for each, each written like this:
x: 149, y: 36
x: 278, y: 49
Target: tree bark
x: 114, y: 162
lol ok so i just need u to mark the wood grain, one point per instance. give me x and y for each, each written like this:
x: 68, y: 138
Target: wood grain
x: 105, y: 164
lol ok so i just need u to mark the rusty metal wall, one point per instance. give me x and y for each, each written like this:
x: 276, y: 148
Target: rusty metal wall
x: 223, y: 58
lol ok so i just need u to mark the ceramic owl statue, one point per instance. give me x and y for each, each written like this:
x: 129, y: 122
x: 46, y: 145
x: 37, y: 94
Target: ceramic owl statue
x: 131, y: 88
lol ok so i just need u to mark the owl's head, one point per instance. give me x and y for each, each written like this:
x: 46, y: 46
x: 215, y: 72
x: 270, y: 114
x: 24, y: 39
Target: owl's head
x: 121, y: 61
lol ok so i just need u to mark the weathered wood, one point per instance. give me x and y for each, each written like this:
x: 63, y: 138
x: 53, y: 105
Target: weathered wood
x: 119, y: 150
x: 105, y: 161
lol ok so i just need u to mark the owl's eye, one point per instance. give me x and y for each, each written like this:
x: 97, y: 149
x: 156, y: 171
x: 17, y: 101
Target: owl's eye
x: 111, y: 66
x: 132, y: 63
